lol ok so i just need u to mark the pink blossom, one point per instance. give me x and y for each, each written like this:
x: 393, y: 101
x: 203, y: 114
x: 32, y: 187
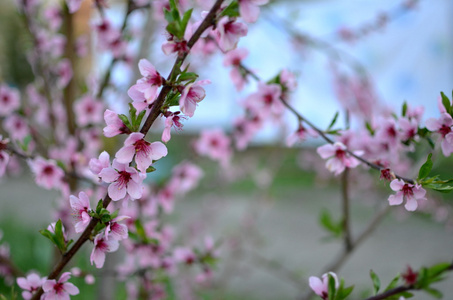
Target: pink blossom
x: 116, y: 230
x: 47, y: 174
x: 174, y: 119
x: 88, y: 110
x: 53, y: 17
x: 166, y: 199
x: 321, y: 286
x: 215, y: 144
x: 338, y: 158
x: 235, y: 57
x: 300, y: 135
x: 184, y: 255
x: 228, y: 32
x: 407, y: 191
x: 9, y: 100
x: 30, y: 284
x: 443, y: 126
x: 16, y: 126
x: 102, y: 246
x: 114, y: 124
x: 185, y: 176
x: 81, y: 208
x: 268, y: 99
x: 64, y: 73
x: 173, y: 46
x: 191, y: 95
x: 144, y: 92
x: 59, y: 290
x: 408, y: 129
x: 123, y: 179
x: 144, y: 151
x: 249, y: 9
x: 4, y: 156
x: 97, y: 165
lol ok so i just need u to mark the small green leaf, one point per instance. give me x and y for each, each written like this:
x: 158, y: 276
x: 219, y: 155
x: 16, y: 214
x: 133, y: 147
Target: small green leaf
x: 188, y: 76
x: 404, y: 109
x: 333, y: 121
x: 329, y: 224
x: 376, y: 281
x: 331, y: 286
x: 369, y: 128
x: 393, y: 283
x: 425, y: 168
x: 150, y: 169
x: 125, y: 120
x: 185, y: 20
x: 433, y: 292
x: 99, y: 207
x: 231, y: 10
x: 446, y: 102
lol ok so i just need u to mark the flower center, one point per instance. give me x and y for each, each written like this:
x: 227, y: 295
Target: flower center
x: 123, y: 179
x: 407, y: 190
x: 142, y: 146
x: 48, y: 170
x: 444, y: 130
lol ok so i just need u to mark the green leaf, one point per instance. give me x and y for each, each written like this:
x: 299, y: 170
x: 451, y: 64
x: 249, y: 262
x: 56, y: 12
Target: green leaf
x: 188, y: 76
x: 333, y: 121
x: 99, y: 207
x: 331, y: 286
x: 446, y: 102
x: 393, y: 283
x: 329, y: 224
x: 433, y: 292
x: 369, y: 128
x: 404, y: 109
x: 185, y: 20
x: 425, y: 168
x: 150, y: 169
x: 174, y: 29
x: 140, y: 118
x: 376, y: 281
x: 231, y: 10
x: 125, y: 120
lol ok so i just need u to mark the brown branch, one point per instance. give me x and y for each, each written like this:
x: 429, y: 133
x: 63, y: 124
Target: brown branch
x: 346, y: 211
x: 66, y: 257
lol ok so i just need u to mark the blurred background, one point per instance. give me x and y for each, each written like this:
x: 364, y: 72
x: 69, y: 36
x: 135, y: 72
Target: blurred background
x: 266, y: 208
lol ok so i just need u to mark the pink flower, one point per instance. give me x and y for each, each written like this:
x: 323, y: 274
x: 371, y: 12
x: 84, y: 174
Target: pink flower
x: 144, y: 151
x: 338, y: 158
x: 185, y: 255
x: 234, y: 57
x: 116, y: 230
x: 64, y: 73
x: 191, y: 95
x: 114, y: 124
x: 174, y: 119
x: 97, y: 165
x: 408, y: 129
x: 102, y: 246
x: 9, y: 100
x: 407, y: 191
x: 59, y: 290
x: 47, y: 174
x: 144, y: 92
x: 443, y: 126
x: 16, y: 126
x: 173, y: 46
x: 53, y: 17
x: 88, y: 110
x: 228, y: 32
x: 30, y: 284
x: 215, y: 144
x: 321, y: 287
x: 81, y: 207
x: 4, y: 156
x: 300, y: 135
x: 249, y: 9
x: 268, y: 99
x: 185, y: 177
x: 123, y: 179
